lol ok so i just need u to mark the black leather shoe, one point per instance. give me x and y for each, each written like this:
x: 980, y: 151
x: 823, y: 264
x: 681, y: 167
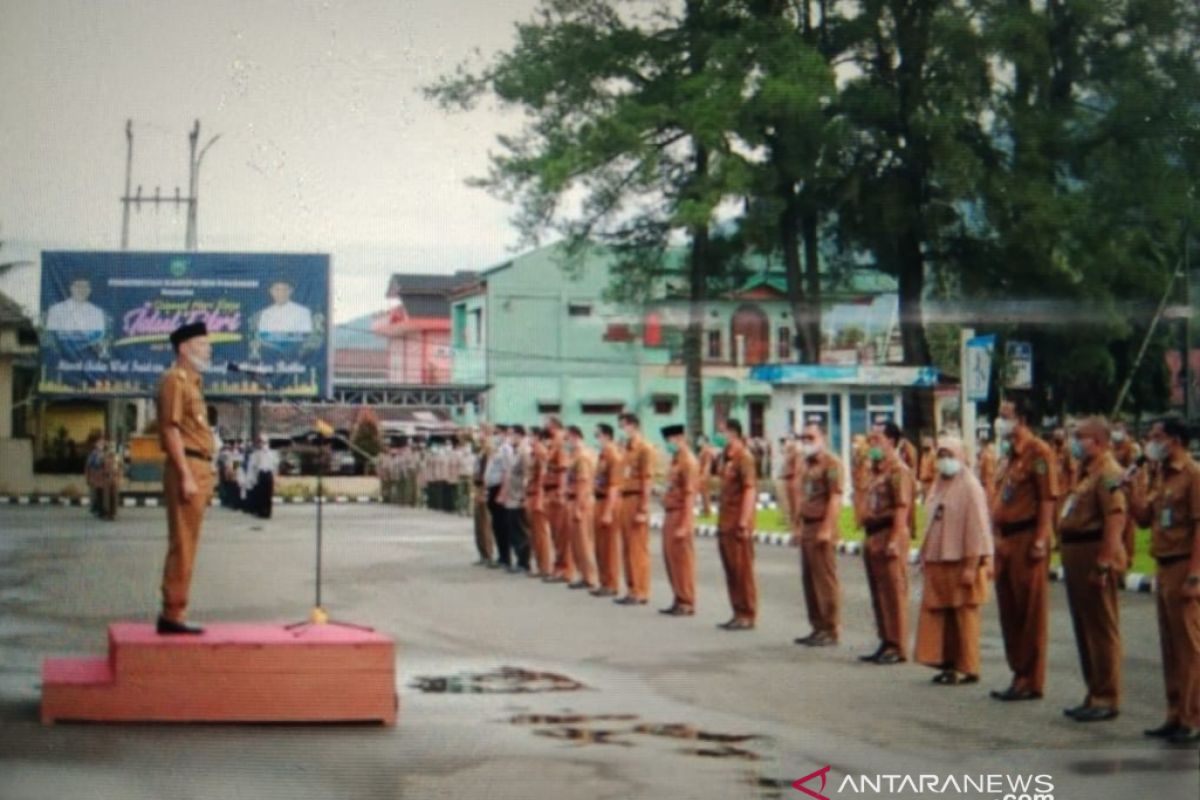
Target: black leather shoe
x: 805, y: 640
x: 1074, y: 712
x: 727, y: 625
x: 630, y: 601
x: 889, y: 658
x: 739, y: 625
x: 1095, y: 714
x: 169, y: 627
x: 1164, y: 731
x: 872, y: 657
x: 1185, y: 736
x: 1012, y: 695
x: 822, y: 640
x: 602, y: 593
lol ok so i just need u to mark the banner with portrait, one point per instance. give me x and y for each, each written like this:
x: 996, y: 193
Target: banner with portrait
x: 107, y: 317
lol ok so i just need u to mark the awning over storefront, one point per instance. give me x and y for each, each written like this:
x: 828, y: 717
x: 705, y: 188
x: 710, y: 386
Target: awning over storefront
x: 854, y: 375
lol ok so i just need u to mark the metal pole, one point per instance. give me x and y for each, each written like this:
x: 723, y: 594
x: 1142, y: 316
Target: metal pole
x: 125, y: 199
x: 1137, y: 362
x: 189, y: 238
x: 967, y: 406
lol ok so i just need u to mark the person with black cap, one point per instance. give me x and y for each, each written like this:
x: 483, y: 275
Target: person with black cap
x: 188, y: 474
x: 284, y: 315
x: 679, y: 522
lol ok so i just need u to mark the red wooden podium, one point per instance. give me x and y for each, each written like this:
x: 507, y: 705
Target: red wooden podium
x: 230, y: 673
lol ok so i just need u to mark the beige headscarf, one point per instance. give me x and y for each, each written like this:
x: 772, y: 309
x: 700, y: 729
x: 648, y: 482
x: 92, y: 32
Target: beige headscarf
x: 965, y: 531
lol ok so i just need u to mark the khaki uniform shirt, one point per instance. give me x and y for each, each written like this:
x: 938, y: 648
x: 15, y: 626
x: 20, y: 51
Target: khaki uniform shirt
x: 1097, y: 495
x: 1174, y: 502
x: 891, y: 492
x: 638, y: 467
x: 181, y: 406
x: 608, y: 470
x: 819, y: 479
x: 737, y: 474
x: 1029, y: 478
x: 682, y: 481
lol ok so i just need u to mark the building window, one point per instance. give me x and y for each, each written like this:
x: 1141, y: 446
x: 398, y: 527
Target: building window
x: 549, y: 407
x: 618, y: 332
x: 602, y: 407
x: 714, y: 344
x: 664, y: 405
x: 784, y: 348
x: 477, y: 321
x: 579, y: 309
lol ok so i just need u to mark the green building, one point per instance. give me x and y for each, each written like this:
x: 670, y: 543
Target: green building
x: 545, y: 341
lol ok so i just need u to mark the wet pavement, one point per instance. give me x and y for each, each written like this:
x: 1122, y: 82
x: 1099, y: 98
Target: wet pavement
x: 514, y: 689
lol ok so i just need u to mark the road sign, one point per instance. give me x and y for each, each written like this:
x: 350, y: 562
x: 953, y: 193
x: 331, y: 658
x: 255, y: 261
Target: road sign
x: 1020, y: 365
x: 978, y: 372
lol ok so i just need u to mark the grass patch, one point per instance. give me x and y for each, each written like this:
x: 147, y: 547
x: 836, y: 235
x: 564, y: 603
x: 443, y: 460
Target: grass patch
x: 771, y: 520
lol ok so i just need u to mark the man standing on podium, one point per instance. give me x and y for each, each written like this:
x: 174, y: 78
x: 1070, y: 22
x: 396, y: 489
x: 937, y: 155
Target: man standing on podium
x: 188, y: 476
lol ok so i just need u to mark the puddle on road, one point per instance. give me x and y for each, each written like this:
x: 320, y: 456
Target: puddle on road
x: 584, y: 735
x: 569, y: 719
x: 569, y: 726
x: 506, y: 680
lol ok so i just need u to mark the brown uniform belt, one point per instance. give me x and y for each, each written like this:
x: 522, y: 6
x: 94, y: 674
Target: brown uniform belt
x: 601, y: 495
x: 631, y: 493
x: 1167, y: 561
x: 873, y: 528
x: 814, y: 520
x: 1013, y: 528
x: 196, y: 454
x: 1082, y: 537
x: 550, y: 487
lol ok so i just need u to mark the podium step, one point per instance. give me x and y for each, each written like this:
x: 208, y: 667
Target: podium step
x: 231, y: 673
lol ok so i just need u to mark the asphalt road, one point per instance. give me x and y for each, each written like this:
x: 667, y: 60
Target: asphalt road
x: 666, y: 708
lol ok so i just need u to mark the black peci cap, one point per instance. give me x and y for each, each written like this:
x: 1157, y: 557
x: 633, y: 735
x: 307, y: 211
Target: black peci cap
x: 189, y: 331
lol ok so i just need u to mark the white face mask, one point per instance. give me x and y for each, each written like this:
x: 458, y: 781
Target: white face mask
x: 1118, y: 436
x: 1156, y: 451
x: 810, y: 449
x: 949, y: 467
x: 1004, y: 427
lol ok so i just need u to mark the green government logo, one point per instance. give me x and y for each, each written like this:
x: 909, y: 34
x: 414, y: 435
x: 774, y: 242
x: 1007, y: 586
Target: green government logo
x: 179, y: 267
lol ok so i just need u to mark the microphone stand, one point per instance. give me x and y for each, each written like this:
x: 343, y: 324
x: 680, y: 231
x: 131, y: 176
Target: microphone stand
x: 318, y: 615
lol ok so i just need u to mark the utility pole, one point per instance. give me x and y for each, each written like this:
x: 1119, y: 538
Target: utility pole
x: 136, y: 199
x: 193, y: 198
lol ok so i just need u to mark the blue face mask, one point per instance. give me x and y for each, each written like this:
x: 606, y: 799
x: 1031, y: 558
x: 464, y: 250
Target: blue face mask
x: 1005, y: 447
x: 1077, y: 451
x: 720, y: 441
x: 672, y: 448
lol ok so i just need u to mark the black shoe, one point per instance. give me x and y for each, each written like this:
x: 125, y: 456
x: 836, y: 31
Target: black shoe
x: 579, y: 585
x: 805, y: 640
x: 1164, y: 731
x: 947, y: 677
x: 739, y: 625
x: 889, y: 658
x: 514, y: 570
x: 167, y: 627
x: 495, y: 565
x: 630, y: 601
x: 727, y: 625
x: 670, y: 612
x: 873, y: 657
x: 1185, y: 736
x: 1095, y: 714
x: 602, y: 593
x: 1074, y: 712
x: 1013, y: 695
x: 822, y: 640
x: 555, y: 579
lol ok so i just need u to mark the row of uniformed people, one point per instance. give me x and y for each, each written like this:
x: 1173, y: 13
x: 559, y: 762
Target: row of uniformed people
x: 437, y: 477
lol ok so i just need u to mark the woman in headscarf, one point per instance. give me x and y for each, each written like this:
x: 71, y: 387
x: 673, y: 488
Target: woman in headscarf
x: 956, y: 560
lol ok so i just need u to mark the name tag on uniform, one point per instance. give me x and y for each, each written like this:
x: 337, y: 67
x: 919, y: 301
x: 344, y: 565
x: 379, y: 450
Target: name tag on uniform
x: 1167, y: 518
x: 1068, y: 507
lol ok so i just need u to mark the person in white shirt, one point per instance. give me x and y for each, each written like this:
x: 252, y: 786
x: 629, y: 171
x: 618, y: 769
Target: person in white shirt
x: 76, y: 314
x: 284, y: 315
x: 260, y: 471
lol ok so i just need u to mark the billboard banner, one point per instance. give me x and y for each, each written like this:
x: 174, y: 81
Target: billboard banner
x: 106, y: 319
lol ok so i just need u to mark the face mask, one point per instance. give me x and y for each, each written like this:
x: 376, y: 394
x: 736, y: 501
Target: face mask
x: 672, y: 448
x: 810, y: 449
x: 1005, y: 447
x: 1118, y: 437
x: 875, y: 454
x: 949, y: 467
x: 1156, y: 451
x: 1004, y: 427
x: 569, y: 447
x: 1077, y: 450
x: 720, y: 441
